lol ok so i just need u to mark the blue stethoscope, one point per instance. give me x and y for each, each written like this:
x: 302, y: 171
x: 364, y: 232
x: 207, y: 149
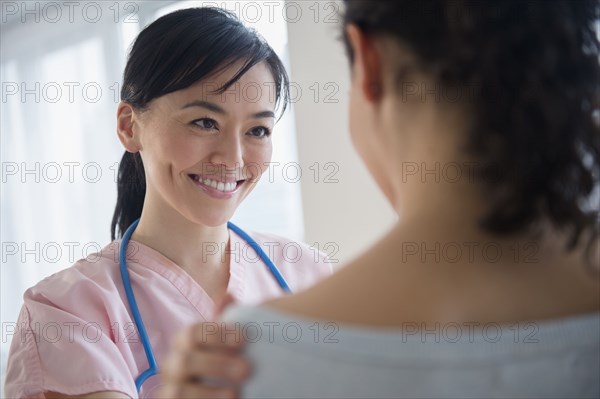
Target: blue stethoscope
x: 135, y: 311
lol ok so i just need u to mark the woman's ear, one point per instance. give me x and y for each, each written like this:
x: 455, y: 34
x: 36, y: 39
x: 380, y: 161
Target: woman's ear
x: 126, y: 120
x: 367, y: 68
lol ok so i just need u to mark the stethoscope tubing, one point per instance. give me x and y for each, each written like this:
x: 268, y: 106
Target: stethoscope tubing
x: 135, y: 311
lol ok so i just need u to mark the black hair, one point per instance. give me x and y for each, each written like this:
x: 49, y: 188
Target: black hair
x: 174, y: 52
x: 536, y: 114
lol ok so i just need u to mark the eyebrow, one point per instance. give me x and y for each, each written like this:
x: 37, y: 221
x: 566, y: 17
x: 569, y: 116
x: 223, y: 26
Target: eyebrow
x: 216, y: 108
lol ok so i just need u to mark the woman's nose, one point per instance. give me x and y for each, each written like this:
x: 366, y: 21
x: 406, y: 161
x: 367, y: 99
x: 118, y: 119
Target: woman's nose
x: 228, y: 152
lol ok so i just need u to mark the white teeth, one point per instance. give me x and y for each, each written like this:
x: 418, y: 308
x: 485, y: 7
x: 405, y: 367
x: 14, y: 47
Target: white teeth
x: 217, y: 185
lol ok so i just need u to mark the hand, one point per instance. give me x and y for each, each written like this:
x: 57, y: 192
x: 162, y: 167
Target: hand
x: 205, y: 361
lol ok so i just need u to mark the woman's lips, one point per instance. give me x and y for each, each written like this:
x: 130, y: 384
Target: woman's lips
x: 223, y: 190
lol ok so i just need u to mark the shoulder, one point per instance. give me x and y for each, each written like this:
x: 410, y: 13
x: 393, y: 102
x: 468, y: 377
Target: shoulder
x: 84, y: 281
x: 241, y: 313
x: 74, y: 314
x: 263, y: 324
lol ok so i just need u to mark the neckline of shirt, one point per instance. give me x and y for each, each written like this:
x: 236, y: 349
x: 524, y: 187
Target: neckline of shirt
x: 149, y: 258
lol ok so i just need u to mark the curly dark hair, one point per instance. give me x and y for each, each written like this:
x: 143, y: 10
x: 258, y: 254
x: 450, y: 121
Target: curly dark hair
x: 536, y: 111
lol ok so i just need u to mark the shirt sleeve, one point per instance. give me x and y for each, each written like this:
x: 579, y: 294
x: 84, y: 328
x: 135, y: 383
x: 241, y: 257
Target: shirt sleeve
x: 55, y: 350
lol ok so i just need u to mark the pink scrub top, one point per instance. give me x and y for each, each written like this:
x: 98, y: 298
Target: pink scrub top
x: 75, y: 334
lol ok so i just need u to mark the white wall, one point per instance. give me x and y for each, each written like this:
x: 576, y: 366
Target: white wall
x: 351, y: 213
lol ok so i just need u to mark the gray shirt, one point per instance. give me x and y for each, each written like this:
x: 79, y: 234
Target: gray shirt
x: 295, y: 357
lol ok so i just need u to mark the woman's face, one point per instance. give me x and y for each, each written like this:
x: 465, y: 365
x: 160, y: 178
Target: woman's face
x: 204, y: 152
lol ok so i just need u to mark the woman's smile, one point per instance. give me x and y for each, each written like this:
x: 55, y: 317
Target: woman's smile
x: 217, y: 188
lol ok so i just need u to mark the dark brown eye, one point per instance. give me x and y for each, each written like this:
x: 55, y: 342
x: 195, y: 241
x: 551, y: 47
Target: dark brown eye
x: 260, y: 132
x: 205, y: 123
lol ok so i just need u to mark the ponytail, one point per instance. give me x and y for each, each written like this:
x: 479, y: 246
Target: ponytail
x: 131, y: 190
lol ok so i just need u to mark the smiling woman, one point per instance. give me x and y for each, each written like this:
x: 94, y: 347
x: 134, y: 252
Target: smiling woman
x: 198, y: 105
x: 204, y: 137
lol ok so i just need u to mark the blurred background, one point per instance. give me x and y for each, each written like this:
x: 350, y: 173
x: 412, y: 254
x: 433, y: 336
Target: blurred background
x: 61, y: 65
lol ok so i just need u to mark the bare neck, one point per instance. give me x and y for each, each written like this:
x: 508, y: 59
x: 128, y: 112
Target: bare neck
x: 415, y: 275
x: 187, y: 244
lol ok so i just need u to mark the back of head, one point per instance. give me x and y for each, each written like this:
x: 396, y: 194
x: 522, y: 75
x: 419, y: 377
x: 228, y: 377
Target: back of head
x: 535, y: 120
